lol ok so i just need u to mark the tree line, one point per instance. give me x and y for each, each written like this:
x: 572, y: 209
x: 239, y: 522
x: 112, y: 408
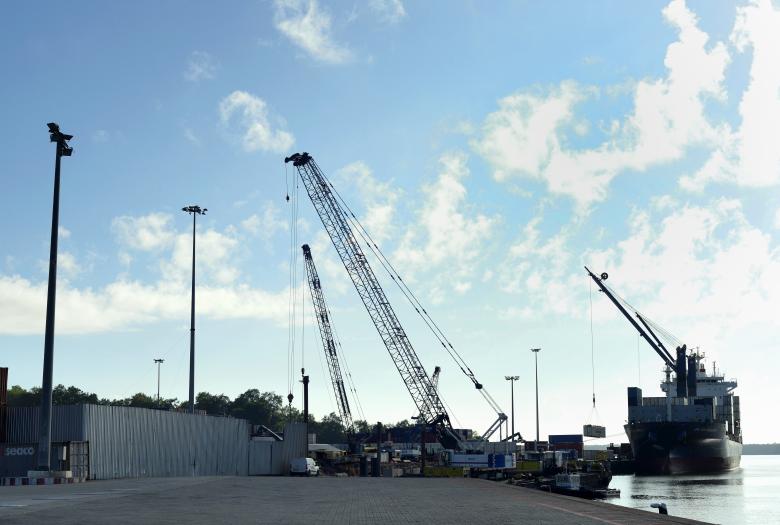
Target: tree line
x: 259, y: 408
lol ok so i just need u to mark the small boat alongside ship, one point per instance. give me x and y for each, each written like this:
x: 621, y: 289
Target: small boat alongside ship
x: 695, y: 426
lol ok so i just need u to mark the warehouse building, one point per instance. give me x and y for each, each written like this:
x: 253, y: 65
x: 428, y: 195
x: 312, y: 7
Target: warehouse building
x: 107, y: 442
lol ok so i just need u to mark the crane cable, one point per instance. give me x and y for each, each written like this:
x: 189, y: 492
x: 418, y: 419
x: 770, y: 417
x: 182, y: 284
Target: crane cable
x: 592, y: 346
x: 342, y: 359
x: 293, y: 284
x: 593, y: 409
x: 663, y: 334
x: 412, y: 298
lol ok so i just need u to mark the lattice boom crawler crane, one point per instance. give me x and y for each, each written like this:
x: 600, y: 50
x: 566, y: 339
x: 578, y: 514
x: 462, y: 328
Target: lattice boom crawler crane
x: 336, y: 223
x: 329, y: 344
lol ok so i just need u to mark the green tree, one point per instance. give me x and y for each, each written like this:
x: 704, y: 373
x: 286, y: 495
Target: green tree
x: 259, y: 409
x: 217, y: 405
x: 72, y: 396
x: 329, y: 429
x: 21, y: 397
x: 362, y: 427
x: 139, y: 400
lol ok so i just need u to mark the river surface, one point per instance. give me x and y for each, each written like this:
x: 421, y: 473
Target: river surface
x: 748, y: 495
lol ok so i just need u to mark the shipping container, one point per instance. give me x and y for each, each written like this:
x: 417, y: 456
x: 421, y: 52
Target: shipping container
x: 594, y: 431
x: 565, y: 438
x: 469, y: 460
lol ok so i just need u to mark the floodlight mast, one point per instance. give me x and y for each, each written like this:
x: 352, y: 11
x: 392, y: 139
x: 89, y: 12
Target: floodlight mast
x: 408, y: 364
x: 44, y: 437
x: 194, y: 211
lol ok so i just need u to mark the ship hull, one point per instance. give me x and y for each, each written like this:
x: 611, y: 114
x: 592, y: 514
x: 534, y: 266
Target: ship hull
x: 662, y: 448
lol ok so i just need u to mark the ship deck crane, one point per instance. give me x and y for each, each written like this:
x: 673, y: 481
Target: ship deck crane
x: 337, y: 224
x: 326, y: 334
x: 644, y: 330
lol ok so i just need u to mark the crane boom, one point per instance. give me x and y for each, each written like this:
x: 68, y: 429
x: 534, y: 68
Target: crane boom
x: 405, y: 359
x: 328, y: 343
x: 650, y: 340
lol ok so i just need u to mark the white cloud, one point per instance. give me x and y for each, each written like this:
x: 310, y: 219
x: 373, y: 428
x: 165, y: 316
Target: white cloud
x: 390, y: 11
x: 251, y: 114
x: 777, y: 219
x: 127, y: 304
x: 100, y: 136
x: 191, y: 137
x: 148, y: 232
x: 378, y: 198
x: 200, y: 66
x: 749, y: 156
x: 215, y: 253
x: 155, y: 232
x: 63, y: 232
x: 541, y: 269
x: 446, y: 231
x: 309, y: 27
x: 67, y: 263
x: 267, y: 224
x: 705, y: 273
x: 528, y: 135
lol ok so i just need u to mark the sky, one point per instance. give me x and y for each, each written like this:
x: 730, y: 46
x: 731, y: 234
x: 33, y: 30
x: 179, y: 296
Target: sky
x: 492, y: 151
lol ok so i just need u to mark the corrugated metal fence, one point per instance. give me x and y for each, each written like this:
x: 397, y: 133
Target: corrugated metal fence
x: 272, y: 458
x: 138, y: 442
x: 67, y: 424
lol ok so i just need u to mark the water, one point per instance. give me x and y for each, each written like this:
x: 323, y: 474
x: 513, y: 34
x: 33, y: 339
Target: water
x: 746, y: 496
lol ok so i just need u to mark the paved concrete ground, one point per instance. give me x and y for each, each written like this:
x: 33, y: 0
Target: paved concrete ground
x: 306, y: 500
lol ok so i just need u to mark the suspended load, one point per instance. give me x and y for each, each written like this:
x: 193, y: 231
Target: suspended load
x: 594, y: 431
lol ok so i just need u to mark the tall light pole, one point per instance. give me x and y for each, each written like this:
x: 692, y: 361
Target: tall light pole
x: 159, y: 362
x: 536, y: 374
x: 44, y: 439
x: 194, y: 211
x: 512, y: 380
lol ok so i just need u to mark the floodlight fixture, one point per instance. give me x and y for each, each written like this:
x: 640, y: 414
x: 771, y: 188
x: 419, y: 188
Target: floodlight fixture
x: 55, y: 135
x: 195, y: 209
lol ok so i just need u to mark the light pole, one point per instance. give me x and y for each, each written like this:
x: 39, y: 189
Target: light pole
x: 194, y: 211
x: 44, y: 441
x: 159, y: 362
x: 536, y: 374
x: 512, y: 380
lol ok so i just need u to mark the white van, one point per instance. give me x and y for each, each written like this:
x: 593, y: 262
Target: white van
x: 304, y: 467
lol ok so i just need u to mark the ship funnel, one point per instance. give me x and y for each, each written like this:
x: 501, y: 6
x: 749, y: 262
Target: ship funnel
x: 692, y: 375
x: 682, y: 386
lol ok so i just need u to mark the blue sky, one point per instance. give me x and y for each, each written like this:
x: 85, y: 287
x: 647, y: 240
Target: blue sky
x: 492, y: 150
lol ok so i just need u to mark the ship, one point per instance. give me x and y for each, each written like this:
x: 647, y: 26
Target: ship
x: 694, y: 428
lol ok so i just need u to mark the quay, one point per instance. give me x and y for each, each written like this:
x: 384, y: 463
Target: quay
x: 326, y: 500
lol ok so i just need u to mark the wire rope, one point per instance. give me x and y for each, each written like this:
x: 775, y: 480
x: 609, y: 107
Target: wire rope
x: 412, y: 298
